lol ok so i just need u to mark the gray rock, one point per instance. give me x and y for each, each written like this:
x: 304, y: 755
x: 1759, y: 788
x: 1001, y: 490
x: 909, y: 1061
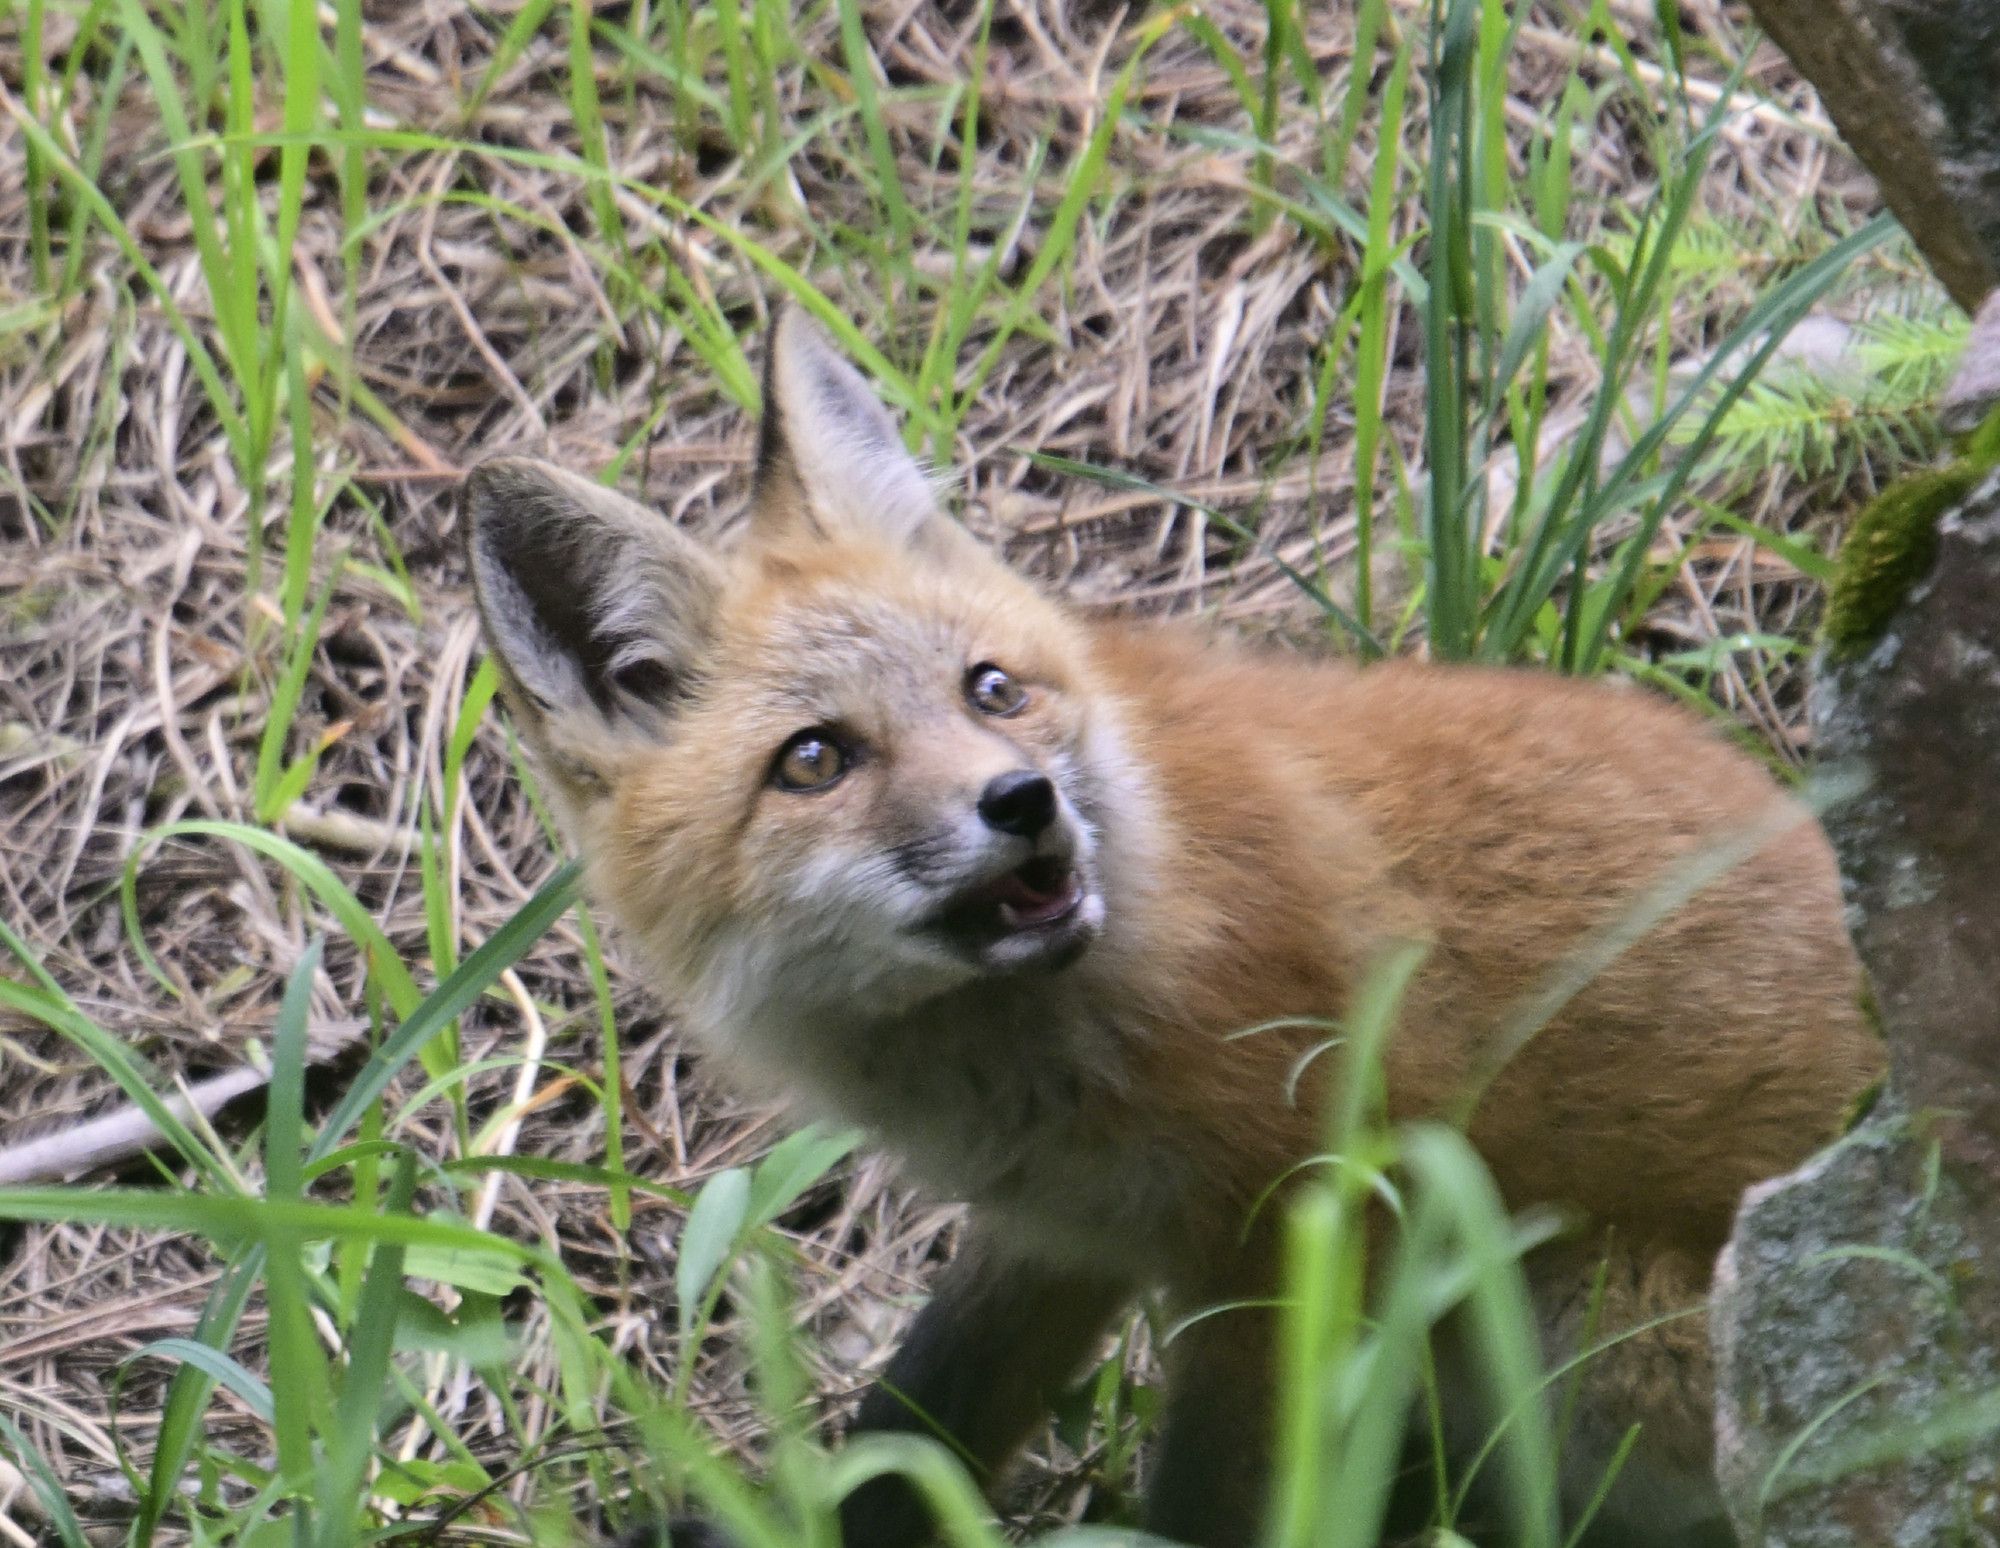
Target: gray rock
x: 1857, y: 1309
x: 1975, y: 388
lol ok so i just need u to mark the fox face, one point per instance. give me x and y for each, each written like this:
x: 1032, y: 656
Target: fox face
x: 853, y: 761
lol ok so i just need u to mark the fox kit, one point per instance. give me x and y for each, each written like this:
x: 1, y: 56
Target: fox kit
x: 909, y: 842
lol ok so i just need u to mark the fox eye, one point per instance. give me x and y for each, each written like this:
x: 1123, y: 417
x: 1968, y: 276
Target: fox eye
x: 992, y: 691
x: 812, y: 760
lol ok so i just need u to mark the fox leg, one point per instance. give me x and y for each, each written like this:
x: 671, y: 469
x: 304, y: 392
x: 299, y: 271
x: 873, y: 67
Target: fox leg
x: 1211, y: 1475
x: 983, y: 1362
x: 1211, y: 1472
x: 1660, y: 1378
x: 1634, y: 1319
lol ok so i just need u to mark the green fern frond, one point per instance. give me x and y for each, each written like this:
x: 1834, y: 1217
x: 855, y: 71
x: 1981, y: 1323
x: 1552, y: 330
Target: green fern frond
x: 1912, y: 357
x: 1876, y: 400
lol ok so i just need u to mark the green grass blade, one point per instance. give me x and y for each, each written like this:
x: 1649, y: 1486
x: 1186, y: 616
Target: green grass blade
x: 242, y: 1218
x: 44, y: 1485
x: 472, y: 977
x: 35, y: 97
x: 385, y: 964
x: 59, y: 1014
x: 614, y: 1076
x: 220, y: 1368
x: 736, y: 69
x: 520, y: 31
x: 1372, y: 349
x: 589, y: 115
x: 1449, y: 556
x: 1310, y: 1332
x: 372, y: 1341
x: 188, y: 1392
x: 277, y: 784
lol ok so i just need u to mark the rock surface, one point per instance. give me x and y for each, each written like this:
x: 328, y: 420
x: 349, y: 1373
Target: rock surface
x: 1975, y: 391
x: 1857, y: 1310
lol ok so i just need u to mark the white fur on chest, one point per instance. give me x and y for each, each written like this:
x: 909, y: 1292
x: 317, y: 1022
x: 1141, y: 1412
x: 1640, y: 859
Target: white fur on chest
x: 1015, y: 1100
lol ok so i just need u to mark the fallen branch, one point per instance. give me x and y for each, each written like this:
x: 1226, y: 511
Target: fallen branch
x: 126, y: 1132
x: 347, y: 832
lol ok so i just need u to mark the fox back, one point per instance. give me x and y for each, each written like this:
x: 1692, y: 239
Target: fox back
x: 911, y: 844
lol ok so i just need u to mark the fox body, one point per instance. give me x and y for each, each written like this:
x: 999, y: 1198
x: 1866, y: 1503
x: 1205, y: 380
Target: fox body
x: 913, y: 845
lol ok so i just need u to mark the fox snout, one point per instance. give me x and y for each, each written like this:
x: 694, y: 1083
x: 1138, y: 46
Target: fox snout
x: 1027, y: 894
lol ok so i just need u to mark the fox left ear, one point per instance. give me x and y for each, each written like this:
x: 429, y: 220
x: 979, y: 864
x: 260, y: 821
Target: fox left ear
x: 830, y: 460
x: 598, y: 611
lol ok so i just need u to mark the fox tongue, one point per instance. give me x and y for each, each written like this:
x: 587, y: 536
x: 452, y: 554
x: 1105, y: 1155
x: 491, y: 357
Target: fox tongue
x: 1027, y: 900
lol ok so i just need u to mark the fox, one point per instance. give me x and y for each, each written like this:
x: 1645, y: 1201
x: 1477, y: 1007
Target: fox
x: 907, y: 843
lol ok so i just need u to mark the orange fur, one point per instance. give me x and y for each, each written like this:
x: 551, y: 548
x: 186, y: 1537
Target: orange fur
x: 1252, y: 830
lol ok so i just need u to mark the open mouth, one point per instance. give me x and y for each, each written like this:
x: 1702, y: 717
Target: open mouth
x: 1037, y: 895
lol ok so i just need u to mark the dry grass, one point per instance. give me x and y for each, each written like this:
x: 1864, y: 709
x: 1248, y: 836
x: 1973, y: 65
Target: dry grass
x: 136, y: 670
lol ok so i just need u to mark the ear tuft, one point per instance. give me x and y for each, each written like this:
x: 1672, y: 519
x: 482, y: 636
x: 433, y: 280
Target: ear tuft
x: 830, y: 460
x: 597, y: 608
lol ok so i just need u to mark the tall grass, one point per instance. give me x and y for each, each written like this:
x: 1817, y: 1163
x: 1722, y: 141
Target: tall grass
x: 336, y: 1250
x: 1530, y: 536
x: 377, y: 1283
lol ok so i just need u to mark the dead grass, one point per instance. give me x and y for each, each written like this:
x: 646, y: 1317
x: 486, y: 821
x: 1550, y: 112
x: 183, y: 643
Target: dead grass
x: 135, y: 672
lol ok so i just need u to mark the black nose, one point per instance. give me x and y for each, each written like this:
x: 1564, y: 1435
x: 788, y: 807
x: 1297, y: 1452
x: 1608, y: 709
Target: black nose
x: 1021, y: 801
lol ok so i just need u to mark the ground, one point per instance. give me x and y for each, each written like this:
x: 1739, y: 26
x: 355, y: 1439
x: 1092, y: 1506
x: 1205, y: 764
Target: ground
x: 467, y: 284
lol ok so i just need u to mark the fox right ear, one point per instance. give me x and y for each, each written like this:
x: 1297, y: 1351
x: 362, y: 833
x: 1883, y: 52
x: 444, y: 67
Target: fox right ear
x: 830, y: 460
x: 597, y: 608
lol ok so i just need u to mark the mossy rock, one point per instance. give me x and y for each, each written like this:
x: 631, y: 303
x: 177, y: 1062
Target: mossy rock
x: 1891, y: 548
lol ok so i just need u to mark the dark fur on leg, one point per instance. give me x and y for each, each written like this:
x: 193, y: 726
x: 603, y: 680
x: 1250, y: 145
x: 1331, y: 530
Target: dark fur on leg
x: 983, y: 1362
x: 675, y: 1532
x: 1211, y: 1477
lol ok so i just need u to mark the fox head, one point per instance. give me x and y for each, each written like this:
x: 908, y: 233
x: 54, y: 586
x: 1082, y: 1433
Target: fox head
x: 854, y: 761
